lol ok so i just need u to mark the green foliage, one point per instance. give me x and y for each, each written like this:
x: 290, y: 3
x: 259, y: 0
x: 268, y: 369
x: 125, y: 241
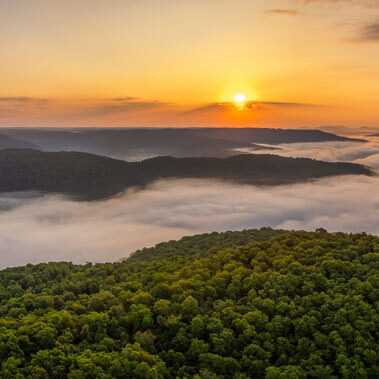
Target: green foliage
x: 251, y: 304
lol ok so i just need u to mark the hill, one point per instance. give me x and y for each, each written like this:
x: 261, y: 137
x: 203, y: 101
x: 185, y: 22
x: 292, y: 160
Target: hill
x: 7, y: 142
x: 274, y: 136
x: 252, y: 304
x: 133, y: 143
x: 89, y: 176
x: 186, y: 142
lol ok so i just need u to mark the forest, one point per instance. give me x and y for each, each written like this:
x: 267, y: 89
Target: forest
x: 252, y: 304
x: 89, y: 176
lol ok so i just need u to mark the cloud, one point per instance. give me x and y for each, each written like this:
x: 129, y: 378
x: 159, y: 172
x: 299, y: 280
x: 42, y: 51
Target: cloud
x: 126, y: 98
x: 327, y: 1
x: 370, y: 32
x: 282, y: 104
x: 357, y: 152
x: 249, y: 105
x: 285, y: 12
x: 11, y: 106
x: 23, y: 99
x: 128, y: 106
x: 120, y: 105
x: 364, y: 3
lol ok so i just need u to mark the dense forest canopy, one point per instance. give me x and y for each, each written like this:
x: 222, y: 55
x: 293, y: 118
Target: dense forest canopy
x: 251, y: 304
x: 90, y: 176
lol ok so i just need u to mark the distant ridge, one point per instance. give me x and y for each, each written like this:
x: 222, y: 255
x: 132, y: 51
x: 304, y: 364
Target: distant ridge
x: 126, y: 143
x: 7, y: 142
x: 89, y: 176
x: 275, y: 136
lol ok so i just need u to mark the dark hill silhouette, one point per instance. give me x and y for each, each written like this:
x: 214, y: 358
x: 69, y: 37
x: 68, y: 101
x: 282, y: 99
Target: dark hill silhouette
x: 128, y: 143
x: 7, y: 142
x: 188, y: 142
x: 274, y: 136
x: 89, y: 176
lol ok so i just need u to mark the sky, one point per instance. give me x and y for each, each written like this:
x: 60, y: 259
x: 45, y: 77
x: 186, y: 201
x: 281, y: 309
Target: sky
x: 181, y: 62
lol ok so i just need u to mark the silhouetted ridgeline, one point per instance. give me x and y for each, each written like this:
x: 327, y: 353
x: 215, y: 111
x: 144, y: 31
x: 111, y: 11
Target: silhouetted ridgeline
x: 7, y: 142
x: 91, y: 176
x: 186, y: 142
x: 251, y: 304
x: 274, y: 136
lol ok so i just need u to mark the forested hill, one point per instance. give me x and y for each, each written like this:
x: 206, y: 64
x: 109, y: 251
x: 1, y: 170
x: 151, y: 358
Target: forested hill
x: 204, y: 243
x: 89, y: 176
x: 252, y: 304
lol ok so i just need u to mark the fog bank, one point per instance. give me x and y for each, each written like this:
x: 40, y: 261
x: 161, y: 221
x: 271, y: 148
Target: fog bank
x: 51, y: 228
x: 54, y: 228
x: 366, y: 153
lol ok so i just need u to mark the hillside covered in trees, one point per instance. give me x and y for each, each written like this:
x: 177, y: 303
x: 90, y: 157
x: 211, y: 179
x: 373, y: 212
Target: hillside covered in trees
x: 251, y: 304
x: 89, y: 176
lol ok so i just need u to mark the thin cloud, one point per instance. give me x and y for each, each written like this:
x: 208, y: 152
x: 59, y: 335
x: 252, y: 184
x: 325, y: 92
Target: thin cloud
x: 282, y: 104
x: 249, y: 105
x: 130, y: 105
x: 370, y: 32
x: 126, y: 98
x: 360, y: 3
x: 284, y: 12
x: 13, y: 105
x: 121, y: 105
x: 23, y: 99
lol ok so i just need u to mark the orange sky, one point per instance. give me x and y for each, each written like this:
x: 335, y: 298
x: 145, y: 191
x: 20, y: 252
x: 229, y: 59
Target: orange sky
x: 180, y: 62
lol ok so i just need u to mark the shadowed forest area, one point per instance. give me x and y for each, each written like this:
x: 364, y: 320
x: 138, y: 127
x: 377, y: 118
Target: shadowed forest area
x: 89, y: 176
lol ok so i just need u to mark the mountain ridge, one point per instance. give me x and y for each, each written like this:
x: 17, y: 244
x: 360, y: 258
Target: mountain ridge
x: 89, y: 176
x: 126, y: 143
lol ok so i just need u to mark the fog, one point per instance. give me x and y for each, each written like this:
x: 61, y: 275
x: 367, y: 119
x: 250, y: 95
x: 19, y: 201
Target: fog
x: 364, y: 153
x: 37, y: 228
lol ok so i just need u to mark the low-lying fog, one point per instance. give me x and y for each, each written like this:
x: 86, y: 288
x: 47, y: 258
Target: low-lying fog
x: 53, y: 228
x: 364, y: 153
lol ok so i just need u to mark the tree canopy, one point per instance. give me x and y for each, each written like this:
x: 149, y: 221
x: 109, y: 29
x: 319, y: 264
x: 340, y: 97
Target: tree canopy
x: 251, y: 304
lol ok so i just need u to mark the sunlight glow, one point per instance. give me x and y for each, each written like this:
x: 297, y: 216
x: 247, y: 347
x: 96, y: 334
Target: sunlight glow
x: 239, y: 98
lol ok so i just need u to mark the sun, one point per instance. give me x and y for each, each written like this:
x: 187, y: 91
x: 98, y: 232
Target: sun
x: 239, y: 98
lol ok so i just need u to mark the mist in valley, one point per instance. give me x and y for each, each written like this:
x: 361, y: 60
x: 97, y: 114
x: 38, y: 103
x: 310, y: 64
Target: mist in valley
x: 40, y: 228
x: 54, y: 228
